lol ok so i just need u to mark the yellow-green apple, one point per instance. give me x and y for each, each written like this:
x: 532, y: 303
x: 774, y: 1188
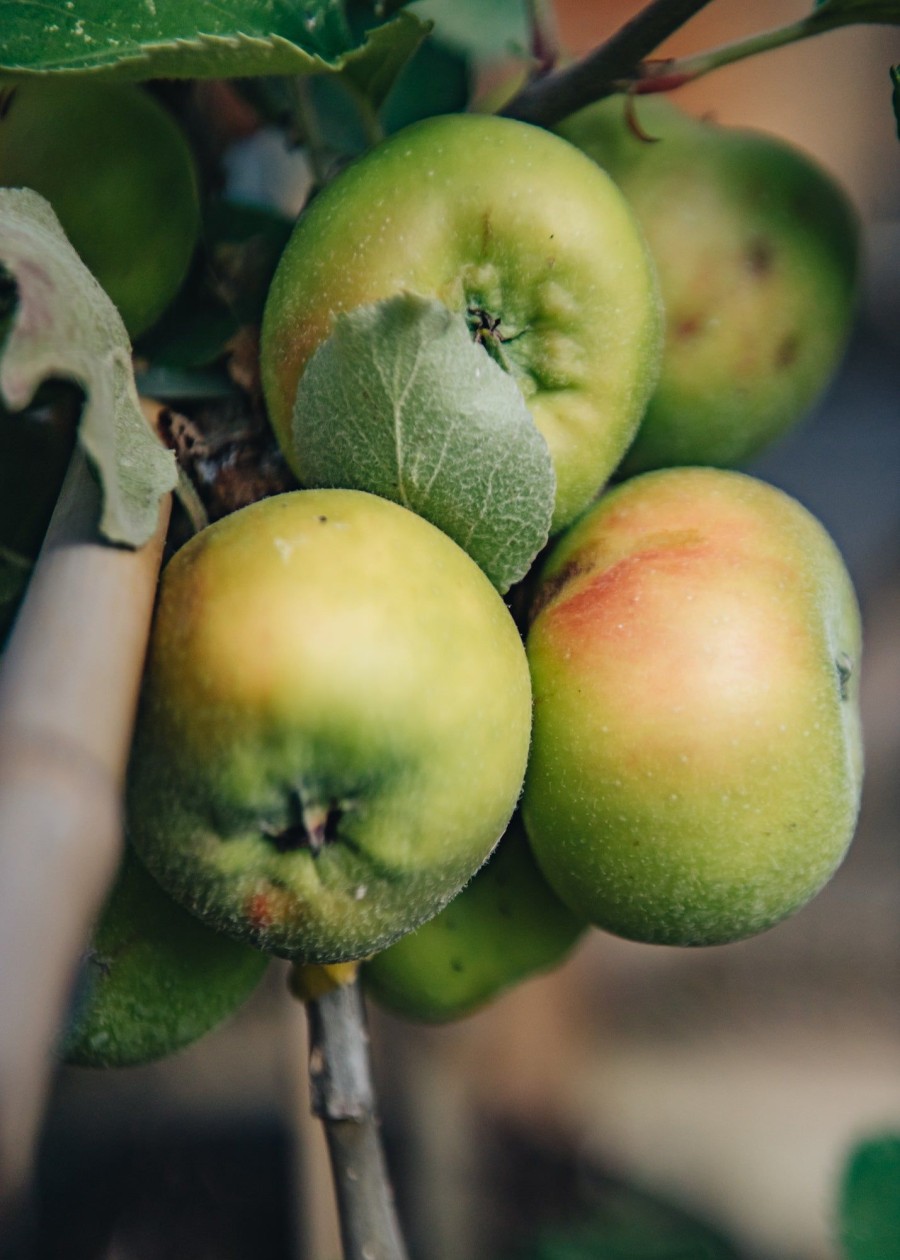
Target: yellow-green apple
x: 505, y: 925
x: 118, y: 172
x: 756, y: 248
x: 334, y: 726
x: 154, y: 978
x: 512, y: 228
x: 696, y: 762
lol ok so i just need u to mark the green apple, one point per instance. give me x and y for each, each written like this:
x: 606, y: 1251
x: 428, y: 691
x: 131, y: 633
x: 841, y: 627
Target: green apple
x: 334, y: 727
x: 118, y: 172
x: 513, y: 228
x: 756, y: 248
x: 505, y: 925
x: 696, y: 762
x: 154, y: 978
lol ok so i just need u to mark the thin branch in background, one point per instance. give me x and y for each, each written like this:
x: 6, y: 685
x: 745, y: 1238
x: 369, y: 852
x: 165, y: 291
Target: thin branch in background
x: 343, y: 1097
x: 547, y: 100
x: 662, y: 76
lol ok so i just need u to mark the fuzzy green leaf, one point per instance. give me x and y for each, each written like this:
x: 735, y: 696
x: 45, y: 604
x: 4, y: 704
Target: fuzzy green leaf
x: 65, y: 327
x: 870, y: 1200
x: 401, y: 402
x: 202, y: 39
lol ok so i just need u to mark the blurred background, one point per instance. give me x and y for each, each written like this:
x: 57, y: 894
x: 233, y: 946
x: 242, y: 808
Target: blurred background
x: 641, y: 1101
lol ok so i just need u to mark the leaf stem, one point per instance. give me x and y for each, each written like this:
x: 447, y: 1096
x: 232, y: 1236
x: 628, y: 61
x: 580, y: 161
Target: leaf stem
x: 343, y: 1097
x: 662, y: 76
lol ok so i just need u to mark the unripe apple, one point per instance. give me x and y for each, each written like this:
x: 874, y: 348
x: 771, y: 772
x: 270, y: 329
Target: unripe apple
x: 505, y: 925
x: 514, y: 229
x: 334, y: 726
x: 154, y: 978
x: 756, y: 247
x: 118, y: 172
x: 696, y: 761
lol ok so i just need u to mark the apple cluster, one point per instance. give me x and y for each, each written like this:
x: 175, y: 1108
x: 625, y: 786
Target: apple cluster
x: 347, y: 749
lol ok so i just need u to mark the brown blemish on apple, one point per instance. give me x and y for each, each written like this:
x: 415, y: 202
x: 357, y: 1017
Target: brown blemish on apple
x: 759, y: 258
x: 688, y: 327
x: 551, y: 587
x: 787, y: 353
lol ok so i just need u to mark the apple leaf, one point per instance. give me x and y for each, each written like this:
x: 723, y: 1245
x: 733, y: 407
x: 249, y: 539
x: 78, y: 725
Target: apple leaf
x: 203, y: 39
x: 480, y: 30
x: 65, y: 327
x: 869, y: 1208
x: 401, y: 402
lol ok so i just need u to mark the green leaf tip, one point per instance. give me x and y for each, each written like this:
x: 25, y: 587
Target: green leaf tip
x: 64, y: 327
x: 401, y: 402
x: 869, y: 1205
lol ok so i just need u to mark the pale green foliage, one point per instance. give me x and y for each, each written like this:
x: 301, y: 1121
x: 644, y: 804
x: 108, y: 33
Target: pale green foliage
x: 400, y: 401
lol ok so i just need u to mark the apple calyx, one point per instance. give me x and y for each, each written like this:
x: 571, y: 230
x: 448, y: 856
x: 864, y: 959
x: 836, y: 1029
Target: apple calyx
x: 313, y: 824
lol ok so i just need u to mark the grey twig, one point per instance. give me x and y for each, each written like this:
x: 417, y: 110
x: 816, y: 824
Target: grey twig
x: 550, y: 98
x: 343, y: 1097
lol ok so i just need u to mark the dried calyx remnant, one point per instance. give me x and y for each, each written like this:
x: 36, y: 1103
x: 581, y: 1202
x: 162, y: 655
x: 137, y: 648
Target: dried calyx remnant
x: 312, y: 826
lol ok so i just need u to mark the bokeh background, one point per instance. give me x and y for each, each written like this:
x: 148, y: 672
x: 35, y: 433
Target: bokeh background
x: 704, y: 1099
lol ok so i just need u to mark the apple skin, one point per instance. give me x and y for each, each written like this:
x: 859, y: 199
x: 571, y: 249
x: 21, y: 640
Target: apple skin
x: 334, y: 726
x: 696, y: 761
x: 154, y: 979
x: 485, y: 214
x: 756, y: 247
x: 505, y: 925
x: 118, y: 172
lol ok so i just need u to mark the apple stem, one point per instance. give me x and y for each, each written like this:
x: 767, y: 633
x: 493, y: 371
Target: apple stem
x: 343, y: 1097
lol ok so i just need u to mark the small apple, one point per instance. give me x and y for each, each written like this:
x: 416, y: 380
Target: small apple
x: 154, y: 978
x: 118, y: 172
x: 513, y: 228
x: 696, y: 762
x: 334, y: 726
x: 505, y: 925
x: 756, y: 248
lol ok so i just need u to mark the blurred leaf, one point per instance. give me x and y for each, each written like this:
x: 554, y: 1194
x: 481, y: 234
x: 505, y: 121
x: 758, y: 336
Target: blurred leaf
x: 65, y: 327
x: 401, y: 402
x: 498, y: 29
x: 202, y: 39
x: 869, y: 1207
x: 226, y: 288
x: 180, y: 385
x: 436, y: 80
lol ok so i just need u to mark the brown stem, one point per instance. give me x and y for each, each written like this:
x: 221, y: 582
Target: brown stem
x: 343, y: 1097
x: 551, y: 98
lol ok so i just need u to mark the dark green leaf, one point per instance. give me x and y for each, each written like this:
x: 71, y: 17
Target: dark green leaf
x: 201, y: 39
x: 401, y: 402
x: 498, y: 29
x: 65, y: 327
x: 895, y: 79
x: 876, y: 11
x: 436, y: 80
x: 869, y: 1208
